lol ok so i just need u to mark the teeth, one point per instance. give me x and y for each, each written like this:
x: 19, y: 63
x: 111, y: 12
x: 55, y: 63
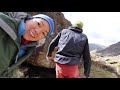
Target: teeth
x: 32, y: 34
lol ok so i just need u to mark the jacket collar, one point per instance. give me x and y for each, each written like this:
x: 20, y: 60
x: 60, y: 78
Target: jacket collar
x: 21, y: 29
x: 76, y: 29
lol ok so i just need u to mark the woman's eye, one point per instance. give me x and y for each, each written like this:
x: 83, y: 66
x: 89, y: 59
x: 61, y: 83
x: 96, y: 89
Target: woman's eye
x: 38, y: 24
x: 43, y: 33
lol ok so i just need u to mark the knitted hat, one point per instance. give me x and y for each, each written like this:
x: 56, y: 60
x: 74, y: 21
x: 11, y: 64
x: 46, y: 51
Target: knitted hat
x: 78, y: 24
x: 48, y: 19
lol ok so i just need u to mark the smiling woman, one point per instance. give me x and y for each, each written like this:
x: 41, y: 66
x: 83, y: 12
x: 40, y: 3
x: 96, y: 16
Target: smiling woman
x: 37, y: 29
x: 20, y: 37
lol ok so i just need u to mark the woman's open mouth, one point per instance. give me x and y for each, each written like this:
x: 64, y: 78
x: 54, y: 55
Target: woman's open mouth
x: 32, y: 34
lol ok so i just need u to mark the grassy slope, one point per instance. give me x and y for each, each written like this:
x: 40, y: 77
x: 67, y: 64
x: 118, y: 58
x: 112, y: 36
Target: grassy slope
x: 97, y: 72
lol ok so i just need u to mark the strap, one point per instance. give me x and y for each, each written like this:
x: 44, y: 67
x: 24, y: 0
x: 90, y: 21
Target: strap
x: 8, y: 29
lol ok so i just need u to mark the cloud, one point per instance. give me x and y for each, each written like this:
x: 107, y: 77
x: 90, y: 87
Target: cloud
x: 101, y: 27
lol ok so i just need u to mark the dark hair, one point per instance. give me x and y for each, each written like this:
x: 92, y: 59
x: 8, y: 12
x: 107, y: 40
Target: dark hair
x: 28, y: 17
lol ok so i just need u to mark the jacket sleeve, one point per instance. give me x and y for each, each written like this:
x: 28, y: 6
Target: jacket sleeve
x: 86, y: 59
x: 53, y: 44
x: 17, y: 15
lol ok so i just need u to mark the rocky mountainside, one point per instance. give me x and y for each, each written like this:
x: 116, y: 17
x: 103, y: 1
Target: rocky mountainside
x: 112, y: 50
x: 38, y: 58
x: 94, y: 46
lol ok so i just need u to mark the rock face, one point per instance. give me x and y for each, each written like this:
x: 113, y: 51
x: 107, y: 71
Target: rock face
x: 112, y: 50
x: 38, y: 58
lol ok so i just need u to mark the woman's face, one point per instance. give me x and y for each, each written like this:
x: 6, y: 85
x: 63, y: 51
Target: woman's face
x: 37, y: 29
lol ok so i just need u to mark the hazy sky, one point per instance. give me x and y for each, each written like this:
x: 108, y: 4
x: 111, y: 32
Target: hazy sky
x: 100, y: 27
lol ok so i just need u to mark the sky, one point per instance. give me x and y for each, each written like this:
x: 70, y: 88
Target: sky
x: 100, y: 27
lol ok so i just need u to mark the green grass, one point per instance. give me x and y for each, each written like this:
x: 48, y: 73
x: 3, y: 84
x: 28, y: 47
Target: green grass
x: 97, y: 72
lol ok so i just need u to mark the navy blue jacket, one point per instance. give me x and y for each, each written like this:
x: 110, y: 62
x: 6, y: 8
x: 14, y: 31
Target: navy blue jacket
x: 72, y: 45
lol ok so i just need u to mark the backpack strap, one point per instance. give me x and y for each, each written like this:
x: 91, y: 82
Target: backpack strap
x: 8, y: 29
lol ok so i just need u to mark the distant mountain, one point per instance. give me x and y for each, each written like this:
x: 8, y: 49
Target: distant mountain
x: 112, y: 50
x: 94, y: 46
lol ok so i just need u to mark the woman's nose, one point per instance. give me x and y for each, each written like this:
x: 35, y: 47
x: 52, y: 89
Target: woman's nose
x: 37, y: 31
